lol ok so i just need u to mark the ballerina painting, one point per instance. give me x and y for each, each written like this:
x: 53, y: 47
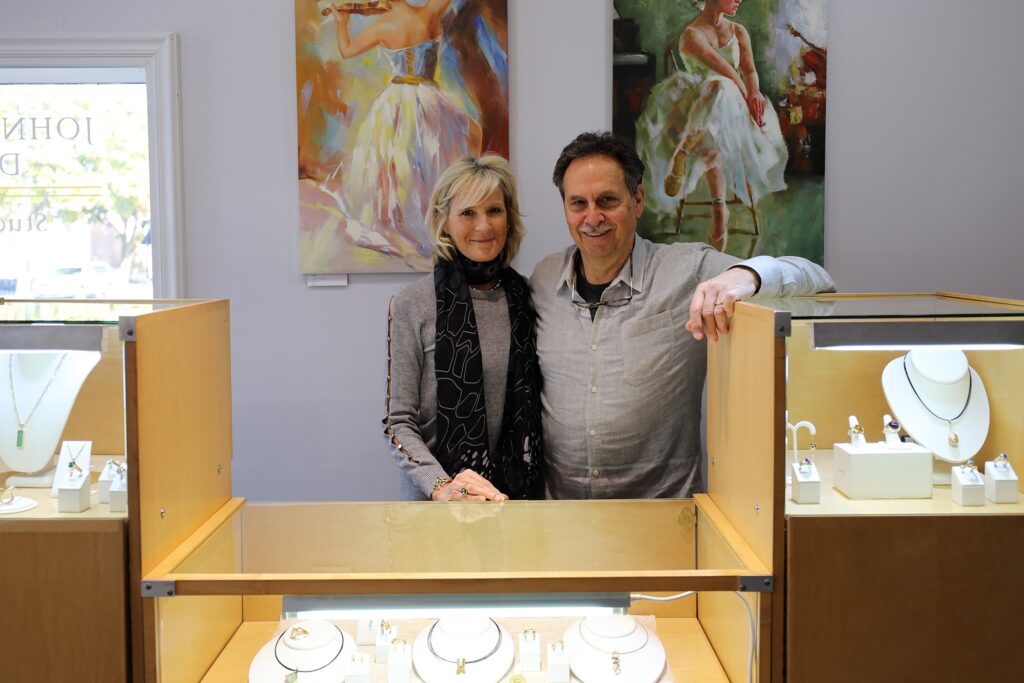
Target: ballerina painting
x: 732, y: 131
x: 390, y: 92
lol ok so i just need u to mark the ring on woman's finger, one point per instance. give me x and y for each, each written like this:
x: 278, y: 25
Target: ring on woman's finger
x: 719, y: 303
x: 463, y: 491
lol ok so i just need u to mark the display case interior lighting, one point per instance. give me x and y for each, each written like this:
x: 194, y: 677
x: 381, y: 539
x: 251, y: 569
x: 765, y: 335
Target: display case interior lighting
x: 903, y: 335
x: 432, y: 606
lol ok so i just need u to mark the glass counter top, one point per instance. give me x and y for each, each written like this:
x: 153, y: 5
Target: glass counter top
x: 854, y: 306
x: 49, y: 311
x: 425, y: 541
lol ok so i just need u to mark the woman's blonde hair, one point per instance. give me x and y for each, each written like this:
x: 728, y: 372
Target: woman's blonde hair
x: 478, y: 177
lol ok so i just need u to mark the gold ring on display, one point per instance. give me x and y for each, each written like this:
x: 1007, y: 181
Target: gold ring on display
x: 857, y: 429
x: 530, y: 634
x: 298, y: 633
x: 7, y: 496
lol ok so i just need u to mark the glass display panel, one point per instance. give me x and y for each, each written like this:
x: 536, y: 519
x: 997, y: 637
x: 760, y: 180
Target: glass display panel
x: 101, y: 312
x: 911, y: 306
x: 424, y: 537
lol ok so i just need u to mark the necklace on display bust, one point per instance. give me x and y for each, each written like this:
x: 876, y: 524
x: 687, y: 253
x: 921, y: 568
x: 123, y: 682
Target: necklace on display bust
x: 617, y: 654
x: 461, y: 662
x: 954, y: 438
x: 14, y: 398
x: 299, y: 633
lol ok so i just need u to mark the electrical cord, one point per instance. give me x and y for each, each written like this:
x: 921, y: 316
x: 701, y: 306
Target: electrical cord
x: 746, y: 606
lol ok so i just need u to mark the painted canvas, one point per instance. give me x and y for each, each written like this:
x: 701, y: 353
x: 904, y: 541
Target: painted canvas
x: 725, y: 100
x: 389, y: 93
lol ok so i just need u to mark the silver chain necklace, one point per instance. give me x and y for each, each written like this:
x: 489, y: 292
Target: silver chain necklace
x: 14, y: 399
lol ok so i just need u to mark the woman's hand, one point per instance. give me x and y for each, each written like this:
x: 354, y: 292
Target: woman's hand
x: 468, y: 485
x: 757, y: 105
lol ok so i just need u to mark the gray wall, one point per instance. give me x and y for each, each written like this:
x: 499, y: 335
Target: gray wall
x: 923, y: 175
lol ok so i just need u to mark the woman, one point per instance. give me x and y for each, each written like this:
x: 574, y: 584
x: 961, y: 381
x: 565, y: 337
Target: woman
x: 463, y: 405
x: 412, y: 132
x: 711, y: 121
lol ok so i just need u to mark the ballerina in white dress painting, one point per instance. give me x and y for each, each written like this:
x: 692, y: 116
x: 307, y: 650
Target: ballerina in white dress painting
x: 710, y: 121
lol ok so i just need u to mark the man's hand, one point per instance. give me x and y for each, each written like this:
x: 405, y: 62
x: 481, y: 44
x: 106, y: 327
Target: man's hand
x: 713, y: 301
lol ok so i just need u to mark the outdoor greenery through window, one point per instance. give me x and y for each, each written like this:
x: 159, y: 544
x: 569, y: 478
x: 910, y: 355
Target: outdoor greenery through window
x: 74, y: 184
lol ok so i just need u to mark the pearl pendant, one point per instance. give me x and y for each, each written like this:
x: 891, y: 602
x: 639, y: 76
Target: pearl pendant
x: 954, y: 440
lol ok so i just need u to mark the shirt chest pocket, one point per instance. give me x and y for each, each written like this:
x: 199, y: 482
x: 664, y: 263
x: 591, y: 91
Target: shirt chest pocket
x: 648, y: 347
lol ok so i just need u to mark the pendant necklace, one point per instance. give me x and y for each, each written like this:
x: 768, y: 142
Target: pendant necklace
x: 461, y: 662
x: 953, y: 437
x: 14, y: 399
x: 616, y: 661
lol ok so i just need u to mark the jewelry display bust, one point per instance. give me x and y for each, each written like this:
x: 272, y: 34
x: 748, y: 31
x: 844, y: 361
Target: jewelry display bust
x: 614, y: 648
x: 317, y: 651
x: 464, y: 649
x: 37, y: 392
x: 939, y: 400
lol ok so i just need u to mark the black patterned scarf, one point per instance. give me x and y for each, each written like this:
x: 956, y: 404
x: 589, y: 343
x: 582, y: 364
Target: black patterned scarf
x: 515, y: 467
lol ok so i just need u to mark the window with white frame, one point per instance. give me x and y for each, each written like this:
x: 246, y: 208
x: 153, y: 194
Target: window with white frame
x: 90, y: 191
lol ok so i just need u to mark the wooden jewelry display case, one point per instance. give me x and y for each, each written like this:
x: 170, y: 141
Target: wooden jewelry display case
x: 213, y: 568
x: 65, y: 576
x: 879, y: 589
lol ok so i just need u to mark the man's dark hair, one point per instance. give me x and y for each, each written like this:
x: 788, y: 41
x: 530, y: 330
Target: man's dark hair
x: 606, y: 144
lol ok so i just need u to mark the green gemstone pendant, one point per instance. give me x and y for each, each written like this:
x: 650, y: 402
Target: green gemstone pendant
x: 21, y: 438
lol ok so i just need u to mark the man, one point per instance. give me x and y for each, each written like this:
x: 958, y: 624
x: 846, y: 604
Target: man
x: 622, y: 379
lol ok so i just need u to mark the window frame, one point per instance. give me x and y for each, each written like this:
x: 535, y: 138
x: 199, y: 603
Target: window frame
x: 159, y: 55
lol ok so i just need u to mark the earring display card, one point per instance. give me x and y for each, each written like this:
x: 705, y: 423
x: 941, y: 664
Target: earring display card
x: 558, y: 663
x: 359, y: 670
x: 806, y: 486
x: 1001, y: 484
x: 366, y: 631
x: 400, y: 662
x: 968, y: 486
x: 385, y: 634
x: 876, y: 470
x: 529, y: 651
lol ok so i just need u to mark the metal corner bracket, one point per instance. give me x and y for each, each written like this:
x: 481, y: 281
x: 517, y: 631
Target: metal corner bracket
x: 757, y: 584
x: 126, y: 328
x: 783, y: 323
x: 158, y: 589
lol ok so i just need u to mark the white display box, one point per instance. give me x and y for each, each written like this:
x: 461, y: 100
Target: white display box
x: 119, y: 495
x: 73, y: 494
x: 806, y: 486
x: 107, y: 476
x: 876, y: 470
x: 1001, y: 483
x: 968, y: 486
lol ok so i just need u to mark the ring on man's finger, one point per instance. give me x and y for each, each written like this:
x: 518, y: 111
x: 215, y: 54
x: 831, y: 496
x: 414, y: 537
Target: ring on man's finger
x: 463, y: 491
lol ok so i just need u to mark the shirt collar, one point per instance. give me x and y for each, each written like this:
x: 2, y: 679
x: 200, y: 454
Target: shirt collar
x: 639, y: 257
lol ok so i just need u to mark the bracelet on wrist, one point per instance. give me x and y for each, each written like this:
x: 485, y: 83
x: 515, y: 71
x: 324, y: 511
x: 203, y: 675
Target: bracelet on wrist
x: 440, y: 483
